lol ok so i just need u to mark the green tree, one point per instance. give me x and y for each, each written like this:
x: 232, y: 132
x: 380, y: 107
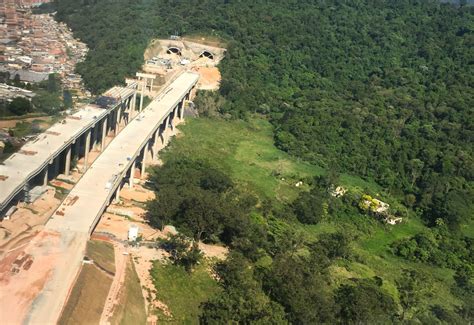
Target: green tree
x: 309, y: 208
x: 413, y: 288
x: 20, y: 106
x: 300, y: 286
x: 182, y: 251
x: 364, y: 302
x: 53, y: 85
x: 242, y: 299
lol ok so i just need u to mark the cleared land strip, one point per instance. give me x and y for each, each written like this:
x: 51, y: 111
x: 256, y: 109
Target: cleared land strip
x: 90, y: 195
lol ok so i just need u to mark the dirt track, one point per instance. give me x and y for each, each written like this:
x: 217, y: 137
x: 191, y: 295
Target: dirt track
x: 113, y: 298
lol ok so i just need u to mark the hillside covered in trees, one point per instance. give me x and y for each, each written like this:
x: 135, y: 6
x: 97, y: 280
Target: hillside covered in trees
x: 379, y: 89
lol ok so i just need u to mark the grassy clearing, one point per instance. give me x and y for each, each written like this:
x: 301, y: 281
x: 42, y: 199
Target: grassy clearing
x: 131, y: 309
x: 246, y: 151
x: 183, y: 292
x: 102, y: 253
x: 87, y: 298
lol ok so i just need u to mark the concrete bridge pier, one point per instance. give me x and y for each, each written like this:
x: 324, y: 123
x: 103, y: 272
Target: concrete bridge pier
x: 146, y: 149
x: 181, y: 109
x: 117, y: 193
x: 164, y: 133
x: 87, y: 149
x: 132, y: 175
x: 124, y: 108
x: 95, y: 136
x: 156, y: 143
x: 143, y: 81
x: 177, y: 114
x: 67, y: 162
x: 117, y: 120
x: 104, y: 134
x: 141, y: 95
x: 171, y: 121
x: 133, y: 106
x: 45, y: 175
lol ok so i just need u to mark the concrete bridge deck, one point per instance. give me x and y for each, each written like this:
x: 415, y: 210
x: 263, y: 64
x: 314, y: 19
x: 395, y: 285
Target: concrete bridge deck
x: 114, y: 164
x: 36, y: 155
x: 77, y: 216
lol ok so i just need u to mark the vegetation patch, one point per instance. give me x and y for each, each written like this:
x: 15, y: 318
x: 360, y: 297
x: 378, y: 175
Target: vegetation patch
x: 87, y: 299
x: 360, y: 244
x: 182, y: 291
x: 102, y: 253
x: 246, y: 151
x: 131, y: 306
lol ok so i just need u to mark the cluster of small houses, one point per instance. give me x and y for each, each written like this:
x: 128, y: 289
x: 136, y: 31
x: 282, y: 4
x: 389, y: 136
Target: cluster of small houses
x: 34, y: 46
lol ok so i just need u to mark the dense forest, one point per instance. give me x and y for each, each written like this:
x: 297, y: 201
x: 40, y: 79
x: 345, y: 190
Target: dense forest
x: 379, y: 89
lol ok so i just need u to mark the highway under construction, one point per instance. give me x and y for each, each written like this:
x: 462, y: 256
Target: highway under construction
x: 58, y: 250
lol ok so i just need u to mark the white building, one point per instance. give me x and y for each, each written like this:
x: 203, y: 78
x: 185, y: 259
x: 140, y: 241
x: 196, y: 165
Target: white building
x: 133, y: 233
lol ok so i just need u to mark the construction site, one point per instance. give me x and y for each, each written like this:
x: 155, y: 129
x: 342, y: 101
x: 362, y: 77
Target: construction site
x: 164, y: 58
x: 74, y: 233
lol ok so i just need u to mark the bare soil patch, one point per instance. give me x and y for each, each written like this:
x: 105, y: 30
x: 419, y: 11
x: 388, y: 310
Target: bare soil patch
x: 210, y: 77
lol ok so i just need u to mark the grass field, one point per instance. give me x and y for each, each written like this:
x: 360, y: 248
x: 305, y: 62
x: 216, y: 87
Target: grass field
x: 88, y: 295
x: 131, y: 308
x: 102, y: 253
x: 182, y: 292
x: 87, y: 298
x: 245, y: 151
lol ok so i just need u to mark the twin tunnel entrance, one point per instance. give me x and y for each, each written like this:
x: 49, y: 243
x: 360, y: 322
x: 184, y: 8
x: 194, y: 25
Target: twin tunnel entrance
x: 177, y: 51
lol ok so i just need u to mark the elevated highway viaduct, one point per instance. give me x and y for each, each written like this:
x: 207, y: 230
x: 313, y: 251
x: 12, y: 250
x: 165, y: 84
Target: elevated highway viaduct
x: 54, y: 151
x: 75, y: 219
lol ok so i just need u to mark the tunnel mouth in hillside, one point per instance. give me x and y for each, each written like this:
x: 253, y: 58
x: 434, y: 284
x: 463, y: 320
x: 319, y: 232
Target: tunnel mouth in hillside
x: 207, y: 54
x: 174, y: 50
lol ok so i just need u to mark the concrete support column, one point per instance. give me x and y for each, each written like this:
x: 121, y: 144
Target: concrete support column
x: 86, y: 149
x: 94, y: 137
x: 181, y: 109
x: 104, y: 134
x: 155, y: 143
x: 67, y: 163
x: 112, y: 121
x: 123, y: 108
x: 117, y: 120
x: 144, y: 158
x: 141, y: 94
x: 132, y: 174
x: 164, y: 133
x: 117, y: 194
x: 45, y: 175
x: 171, y: 120
x: 133, y: 106
x: 128, y: 111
